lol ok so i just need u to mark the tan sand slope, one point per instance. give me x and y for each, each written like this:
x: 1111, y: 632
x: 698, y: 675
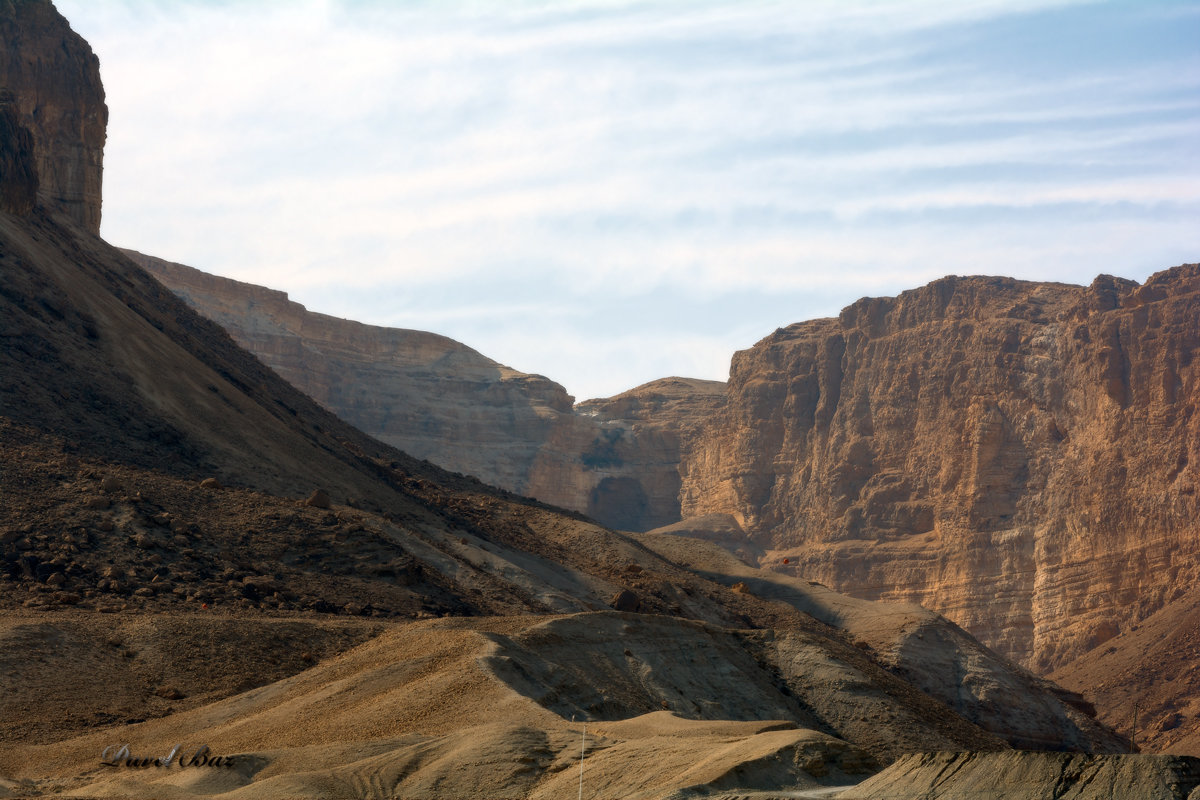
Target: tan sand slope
x: 420, y: 712
x: 1032, y: 776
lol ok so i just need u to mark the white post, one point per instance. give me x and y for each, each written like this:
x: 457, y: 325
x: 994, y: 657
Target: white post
x: 582, y: 748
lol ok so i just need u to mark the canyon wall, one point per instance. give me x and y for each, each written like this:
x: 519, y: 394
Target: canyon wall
x: 1021, y: 457
x: 54, y: 78
x: 1018, y: 456
x: 615, y: 460
x: 18, y: 169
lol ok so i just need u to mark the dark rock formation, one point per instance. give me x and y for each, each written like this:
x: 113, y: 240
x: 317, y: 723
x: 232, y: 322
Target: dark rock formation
x: 55, y: 78
x: 18, y: 172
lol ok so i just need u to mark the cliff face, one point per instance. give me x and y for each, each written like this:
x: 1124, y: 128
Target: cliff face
x: 1019, y: 456
x: 18, y: 171
x: 55, y: 79
x: 437, y: 399
x: 617, y: 459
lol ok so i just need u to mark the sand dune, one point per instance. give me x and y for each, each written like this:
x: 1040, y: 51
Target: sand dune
x: 413, y: 713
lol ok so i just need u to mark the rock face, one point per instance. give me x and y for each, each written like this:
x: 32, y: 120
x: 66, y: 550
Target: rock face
x: 18, y: 172
x: 616, y: 460
x: 1021, y: 457
x: 55, y: 79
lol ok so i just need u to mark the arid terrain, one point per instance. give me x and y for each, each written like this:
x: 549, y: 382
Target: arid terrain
x: 1015, y: 455
x: 195, y: 552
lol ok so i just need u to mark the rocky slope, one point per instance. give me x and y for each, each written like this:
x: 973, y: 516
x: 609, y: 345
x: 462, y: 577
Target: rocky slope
x: 616, y: 460
x: 1145, y: 681
x: 55, y: 80
x: 1019, y: 456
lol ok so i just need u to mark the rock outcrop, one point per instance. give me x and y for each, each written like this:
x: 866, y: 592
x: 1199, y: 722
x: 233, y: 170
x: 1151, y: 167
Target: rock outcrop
x: 615, y: 460
x: 1020, y: 456
x: 18, y: 171
x: 55, y: 79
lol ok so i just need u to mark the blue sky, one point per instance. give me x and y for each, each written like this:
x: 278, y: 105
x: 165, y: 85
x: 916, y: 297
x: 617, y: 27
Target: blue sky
x: 606, y: 193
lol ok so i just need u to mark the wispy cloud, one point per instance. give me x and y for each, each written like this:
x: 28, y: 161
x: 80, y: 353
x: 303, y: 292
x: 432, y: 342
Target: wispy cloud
x: 545, y: 180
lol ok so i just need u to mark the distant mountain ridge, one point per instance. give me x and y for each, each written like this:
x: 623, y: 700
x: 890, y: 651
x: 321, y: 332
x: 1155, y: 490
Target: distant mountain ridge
x: 1019, y: 455
x: 437, y: 399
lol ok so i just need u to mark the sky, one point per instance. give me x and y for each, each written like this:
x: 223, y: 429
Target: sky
x: 606, y: 193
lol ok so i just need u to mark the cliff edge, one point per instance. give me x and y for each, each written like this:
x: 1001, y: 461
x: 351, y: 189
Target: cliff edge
x: 1019, y: 456
x: 54, y: 79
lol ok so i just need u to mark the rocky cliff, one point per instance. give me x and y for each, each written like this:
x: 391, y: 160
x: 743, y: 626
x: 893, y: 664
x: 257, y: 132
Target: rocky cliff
x: 55, y: 80
x: 1019, y: 456
x: 616, y: 460
x: 18, y: 169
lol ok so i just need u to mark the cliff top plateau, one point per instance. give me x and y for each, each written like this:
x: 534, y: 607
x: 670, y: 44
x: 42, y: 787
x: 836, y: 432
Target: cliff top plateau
x: 53, y: 79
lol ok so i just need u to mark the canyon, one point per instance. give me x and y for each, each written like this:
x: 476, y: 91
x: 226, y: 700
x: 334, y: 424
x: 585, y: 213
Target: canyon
x: 247, y: 574
x: 1017, y: 455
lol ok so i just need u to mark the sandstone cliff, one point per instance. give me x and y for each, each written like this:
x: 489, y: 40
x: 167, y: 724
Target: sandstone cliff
x: 1019, y: 456
x: 55, y: 79
x: 616, y: 460
x: 1013, y: 454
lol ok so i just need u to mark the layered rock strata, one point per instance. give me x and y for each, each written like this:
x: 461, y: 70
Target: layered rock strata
x: 1020, y: 456
x: 54, y: 78
x: 615, y: 460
